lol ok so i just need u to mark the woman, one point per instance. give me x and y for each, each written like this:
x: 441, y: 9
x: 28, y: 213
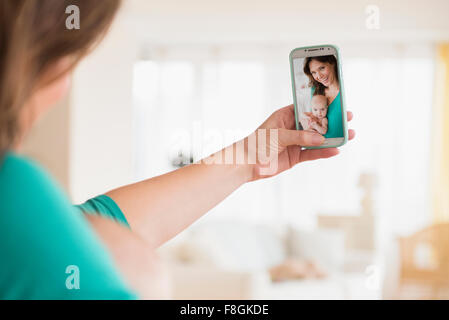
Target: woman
x: 323, y: 78
x: 103, y: 249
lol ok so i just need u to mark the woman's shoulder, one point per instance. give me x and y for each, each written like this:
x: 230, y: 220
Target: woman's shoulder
x: 24, y: 173
x: 41, y: 236
x: 13, y: 163
x: 25, y: 185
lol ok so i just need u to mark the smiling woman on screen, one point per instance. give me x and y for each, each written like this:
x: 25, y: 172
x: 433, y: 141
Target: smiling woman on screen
x: 323, y: 78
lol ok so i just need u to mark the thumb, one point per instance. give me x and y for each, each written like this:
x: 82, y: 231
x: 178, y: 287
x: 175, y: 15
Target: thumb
x: 300, y: 137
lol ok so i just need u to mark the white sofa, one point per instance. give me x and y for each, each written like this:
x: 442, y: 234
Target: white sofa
x: 230, y: 260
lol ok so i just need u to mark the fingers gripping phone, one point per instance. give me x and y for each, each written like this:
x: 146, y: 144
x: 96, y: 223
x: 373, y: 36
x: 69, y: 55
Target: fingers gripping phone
x: 318, y: 93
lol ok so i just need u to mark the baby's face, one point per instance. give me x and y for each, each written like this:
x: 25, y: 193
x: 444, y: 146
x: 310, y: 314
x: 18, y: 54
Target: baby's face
x: 319, y: 109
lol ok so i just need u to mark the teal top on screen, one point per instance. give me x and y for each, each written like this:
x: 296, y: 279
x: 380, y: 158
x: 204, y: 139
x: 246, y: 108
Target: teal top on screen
x: 47, y: 248
x: 334, y: 117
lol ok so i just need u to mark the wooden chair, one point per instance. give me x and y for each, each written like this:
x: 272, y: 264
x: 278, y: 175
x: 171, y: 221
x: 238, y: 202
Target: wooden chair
x: 434, y: 276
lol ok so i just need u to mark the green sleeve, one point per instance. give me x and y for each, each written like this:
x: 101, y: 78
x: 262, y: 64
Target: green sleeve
x: 105, y: 207
x: 48, y: 250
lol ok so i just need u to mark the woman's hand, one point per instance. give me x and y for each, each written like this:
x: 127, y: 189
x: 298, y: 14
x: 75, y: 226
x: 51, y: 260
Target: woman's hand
x: 279, y: 150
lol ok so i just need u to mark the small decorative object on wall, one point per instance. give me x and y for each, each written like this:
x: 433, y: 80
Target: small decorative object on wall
x: 181, y: 160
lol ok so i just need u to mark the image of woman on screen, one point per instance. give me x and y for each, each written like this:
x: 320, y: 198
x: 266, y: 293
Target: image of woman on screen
x: 322, y: 72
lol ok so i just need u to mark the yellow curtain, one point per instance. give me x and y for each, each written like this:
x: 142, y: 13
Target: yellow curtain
x: 440, y: 137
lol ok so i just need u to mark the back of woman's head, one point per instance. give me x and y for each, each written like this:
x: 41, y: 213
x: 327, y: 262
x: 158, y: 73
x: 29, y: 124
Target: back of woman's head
x: 33, y: 38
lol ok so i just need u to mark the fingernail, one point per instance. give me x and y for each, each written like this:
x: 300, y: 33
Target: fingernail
x: 317, y: 139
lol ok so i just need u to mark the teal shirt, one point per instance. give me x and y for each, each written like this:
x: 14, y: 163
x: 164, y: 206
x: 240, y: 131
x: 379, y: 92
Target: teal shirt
x: 104, y: 206
x: 47, y: 248
x: 334, y: 118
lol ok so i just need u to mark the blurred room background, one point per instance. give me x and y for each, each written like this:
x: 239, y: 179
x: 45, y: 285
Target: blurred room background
x: 172, y: 75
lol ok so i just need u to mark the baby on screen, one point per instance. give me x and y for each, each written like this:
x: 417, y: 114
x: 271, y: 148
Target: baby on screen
x: 316, y: 120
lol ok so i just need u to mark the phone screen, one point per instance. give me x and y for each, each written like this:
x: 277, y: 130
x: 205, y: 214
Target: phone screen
x: 317, y: 87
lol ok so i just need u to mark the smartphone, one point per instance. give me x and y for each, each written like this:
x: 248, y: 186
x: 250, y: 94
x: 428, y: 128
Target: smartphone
x: 318, y: 93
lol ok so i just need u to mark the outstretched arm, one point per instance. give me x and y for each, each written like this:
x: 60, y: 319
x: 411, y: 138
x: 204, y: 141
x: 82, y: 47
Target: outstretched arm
x: 161, y: 207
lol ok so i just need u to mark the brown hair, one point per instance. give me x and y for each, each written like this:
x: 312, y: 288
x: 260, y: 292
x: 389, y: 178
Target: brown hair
x: 319, y: 87
x: 33, y: 37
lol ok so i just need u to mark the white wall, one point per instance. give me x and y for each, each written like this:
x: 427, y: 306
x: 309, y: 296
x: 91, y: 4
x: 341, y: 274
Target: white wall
x: 282, y: 21
x: 101, y: 117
